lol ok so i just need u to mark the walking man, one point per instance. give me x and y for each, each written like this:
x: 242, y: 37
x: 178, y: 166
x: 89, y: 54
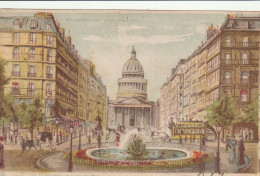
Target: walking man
x: 241, y: 150
x: 233, y: 145
x: 227, y: 142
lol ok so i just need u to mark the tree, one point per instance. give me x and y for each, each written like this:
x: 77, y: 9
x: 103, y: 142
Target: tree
x: 222, y: 111
x: 251, y: 117
x: 33, y: 117
x: 3, y: 81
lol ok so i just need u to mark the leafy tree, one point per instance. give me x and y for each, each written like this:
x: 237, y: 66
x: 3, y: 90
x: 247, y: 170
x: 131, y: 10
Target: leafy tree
x: 251, y: 117
x: 251, y: 113
x: 222, y: 111
x: 33, y: 116
x: 3, y: 81
x: 137, y: 149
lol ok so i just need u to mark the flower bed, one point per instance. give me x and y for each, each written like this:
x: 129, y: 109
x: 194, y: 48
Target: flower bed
x: 81, y: 158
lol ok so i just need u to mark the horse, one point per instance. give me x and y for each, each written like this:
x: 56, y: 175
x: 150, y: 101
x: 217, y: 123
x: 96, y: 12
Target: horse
x: 28, y: 143
x: 160, y: 135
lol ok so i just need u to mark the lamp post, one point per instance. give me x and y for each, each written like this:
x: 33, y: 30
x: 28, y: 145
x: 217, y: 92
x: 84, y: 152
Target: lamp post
x: 217, y: 169
x: 70, y: 166
x: 57, y: 136
x: 80, y: 128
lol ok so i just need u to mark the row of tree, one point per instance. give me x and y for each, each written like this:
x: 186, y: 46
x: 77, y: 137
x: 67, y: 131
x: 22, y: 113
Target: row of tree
x: 222, y: 111
x: 29, y: 116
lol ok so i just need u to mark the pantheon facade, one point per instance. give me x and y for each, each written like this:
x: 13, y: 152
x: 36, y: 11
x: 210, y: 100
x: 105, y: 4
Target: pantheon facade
x: 131, y: 107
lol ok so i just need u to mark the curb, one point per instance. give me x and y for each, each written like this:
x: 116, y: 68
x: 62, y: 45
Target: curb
x: 39, y: 164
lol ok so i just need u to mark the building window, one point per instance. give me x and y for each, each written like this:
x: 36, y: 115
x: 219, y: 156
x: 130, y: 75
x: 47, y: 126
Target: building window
x: 228, y: 42
x: 15, y: 88
x: 16, y: 70
x: 49, y: 72
x: 16, y: 55
x: 49, y: 39
x: 245, y: 41
x: 16, y: 37
x: 49, y: 55
x: 48, y: 27
x: 33, y: 24
x: 244, y: 58
x: 31, y: 89
x: 32, y: 53
x: 32, y: 38
x: 227, y: 78
x: 244, y: 77
x: 243, y: 95
x: 31, y: 72
x: 228, y: 60
x: 48, y: 90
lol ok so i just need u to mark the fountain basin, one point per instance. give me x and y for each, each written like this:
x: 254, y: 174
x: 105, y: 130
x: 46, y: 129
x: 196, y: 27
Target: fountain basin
x: 110, y: 160
x: 117, y: 154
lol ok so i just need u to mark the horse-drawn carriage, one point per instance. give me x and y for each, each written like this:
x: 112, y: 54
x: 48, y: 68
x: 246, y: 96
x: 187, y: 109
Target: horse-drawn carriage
x: 43, y: 139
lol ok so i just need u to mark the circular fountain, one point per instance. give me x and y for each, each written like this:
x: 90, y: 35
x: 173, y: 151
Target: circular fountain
x: 132, y: 153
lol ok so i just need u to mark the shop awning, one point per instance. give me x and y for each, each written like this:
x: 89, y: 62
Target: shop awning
x: 69, y: 120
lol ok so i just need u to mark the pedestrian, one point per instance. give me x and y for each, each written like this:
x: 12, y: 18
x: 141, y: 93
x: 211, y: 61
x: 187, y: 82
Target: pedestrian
x: 1, y: 153
x: 63, y: 134
x: 193, y: 138
x: 180, y: 139
x: 60, y: 136
x: 227, y: 142
x: 233, y: 145
x: 117, y: 139
x: 203, y: 140
x: 99, y: 140
x: 246, y: 136
x: 241, y: 150
x: 249, y: 135
x: 89, y: 139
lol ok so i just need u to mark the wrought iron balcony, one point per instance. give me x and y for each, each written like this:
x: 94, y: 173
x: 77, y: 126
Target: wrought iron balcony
x: 17, y: 74
x: 15, y: 91
x: 244, y: 81
x: 250, y: 45
x: 48, y: 93
x: 228, y: 80
x: 31, y: 74
x: 31, y: 92
x: 49, y: 75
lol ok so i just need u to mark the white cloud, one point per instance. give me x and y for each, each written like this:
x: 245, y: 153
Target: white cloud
x: 130, y: 28
x: 94, y: 38
x: 155, y: 39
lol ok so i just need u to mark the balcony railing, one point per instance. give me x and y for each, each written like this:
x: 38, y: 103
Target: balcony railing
x: 17, y: 74
x: 49, y: 75
x: 228, y: 80
x: 240, y: 61
x: 31, y: 74
x: 15, y: 91
x: 31, y: 92
x: 251, y: 45
x: 244, y: 81
x: 48, y: 93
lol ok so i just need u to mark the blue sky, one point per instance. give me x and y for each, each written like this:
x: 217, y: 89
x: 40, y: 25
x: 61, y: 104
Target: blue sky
x: 160, y: 38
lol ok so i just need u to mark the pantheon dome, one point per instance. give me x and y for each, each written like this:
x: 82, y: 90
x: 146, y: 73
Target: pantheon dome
x: 132, y: 82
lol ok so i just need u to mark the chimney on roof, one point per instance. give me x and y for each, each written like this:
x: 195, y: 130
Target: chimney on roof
x: 62, y: 31
x: 73, y: 47
x: 210, y: 31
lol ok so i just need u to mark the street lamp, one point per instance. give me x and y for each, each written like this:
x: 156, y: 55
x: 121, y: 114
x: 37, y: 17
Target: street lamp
x: 57, y: 136
x: 217, y: 169
x: 70, y: 153
x: 80, y: 128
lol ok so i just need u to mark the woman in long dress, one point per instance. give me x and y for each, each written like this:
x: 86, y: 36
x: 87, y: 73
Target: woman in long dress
x: 1, y: 153
x: 233, y: 145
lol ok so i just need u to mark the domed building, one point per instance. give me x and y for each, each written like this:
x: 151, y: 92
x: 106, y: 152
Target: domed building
x: 132, y: 82
x: 131, y: 109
